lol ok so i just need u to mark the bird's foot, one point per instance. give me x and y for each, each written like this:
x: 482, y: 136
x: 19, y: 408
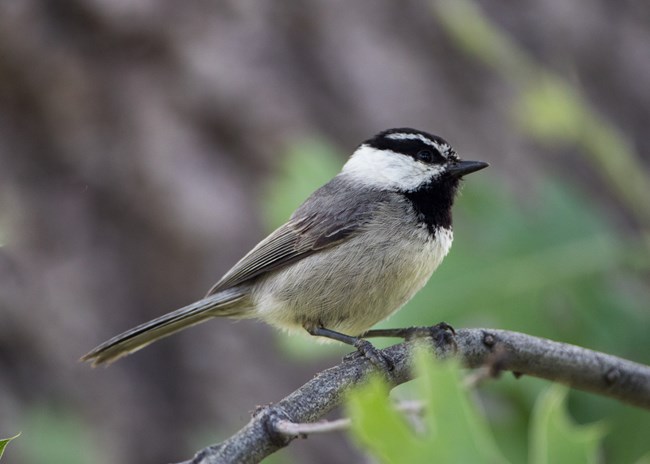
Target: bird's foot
x: 442, y: 333
x: 372, y: 354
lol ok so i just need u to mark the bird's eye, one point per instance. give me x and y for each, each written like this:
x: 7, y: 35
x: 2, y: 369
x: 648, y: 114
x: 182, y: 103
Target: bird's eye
x: 425, y: 156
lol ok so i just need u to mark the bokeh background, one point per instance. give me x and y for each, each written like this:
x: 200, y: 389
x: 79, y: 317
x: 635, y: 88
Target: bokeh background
x: 146, y: 145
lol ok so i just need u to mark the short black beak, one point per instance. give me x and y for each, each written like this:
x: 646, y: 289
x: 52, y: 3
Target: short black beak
x: 462, y: 168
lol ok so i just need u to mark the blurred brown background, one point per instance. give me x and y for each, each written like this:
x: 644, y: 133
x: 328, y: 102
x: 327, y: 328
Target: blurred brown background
x: 136, y: 138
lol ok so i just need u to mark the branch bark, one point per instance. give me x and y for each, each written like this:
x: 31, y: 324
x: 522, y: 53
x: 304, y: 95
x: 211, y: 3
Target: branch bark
x: 499, y: 350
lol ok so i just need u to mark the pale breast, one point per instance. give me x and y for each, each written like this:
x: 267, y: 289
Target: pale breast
x: 352, y: 286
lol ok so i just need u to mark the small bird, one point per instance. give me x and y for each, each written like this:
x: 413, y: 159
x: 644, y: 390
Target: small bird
x: 351, y: 255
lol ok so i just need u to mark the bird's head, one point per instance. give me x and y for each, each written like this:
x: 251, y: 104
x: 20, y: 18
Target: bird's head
x: 407, y: 160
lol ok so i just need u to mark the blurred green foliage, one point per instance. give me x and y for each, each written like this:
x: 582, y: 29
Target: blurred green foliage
x: 56, y: 436
x: 454, y: 428
x: 307, y: 165
x: 543, y: 261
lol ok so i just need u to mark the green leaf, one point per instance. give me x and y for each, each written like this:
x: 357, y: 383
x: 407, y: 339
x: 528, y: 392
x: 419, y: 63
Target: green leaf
x: 455, y: 430
x: 458, y: 432
x: 4, y: 442
x: 379, y: 428
x: 59, y: 435
x: 644, y: 460
x: 555, y: 438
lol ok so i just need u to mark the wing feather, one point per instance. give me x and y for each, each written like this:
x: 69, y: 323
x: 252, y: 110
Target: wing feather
x: 291, y: 241
x: 334, y: 213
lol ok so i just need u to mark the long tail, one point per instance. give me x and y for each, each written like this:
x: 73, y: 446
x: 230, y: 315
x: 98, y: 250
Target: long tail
x: 225, y: 303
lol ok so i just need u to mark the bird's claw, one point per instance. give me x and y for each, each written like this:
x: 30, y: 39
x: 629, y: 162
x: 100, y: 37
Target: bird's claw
x: 442, y: 334
x: 372, y: 354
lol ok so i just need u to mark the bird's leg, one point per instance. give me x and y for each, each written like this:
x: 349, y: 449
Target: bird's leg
x: 441, y: 333
x: 364, y: 347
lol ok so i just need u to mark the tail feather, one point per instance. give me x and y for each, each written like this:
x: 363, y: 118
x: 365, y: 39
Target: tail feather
x: 225, y: 304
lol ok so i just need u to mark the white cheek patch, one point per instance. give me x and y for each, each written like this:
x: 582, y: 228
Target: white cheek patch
x: 388, y: 169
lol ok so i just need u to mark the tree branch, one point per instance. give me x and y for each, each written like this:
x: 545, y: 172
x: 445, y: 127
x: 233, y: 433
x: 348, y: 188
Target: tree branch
x: 498, y: 350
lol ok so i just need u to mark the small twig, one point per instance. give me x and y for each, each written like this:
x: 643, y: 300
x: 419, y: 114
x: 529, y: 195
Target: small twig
x: 491, y: 368
x: 499, y: 350
x: 477, y: 377
x: 412, y: 407
x: 292, y: 429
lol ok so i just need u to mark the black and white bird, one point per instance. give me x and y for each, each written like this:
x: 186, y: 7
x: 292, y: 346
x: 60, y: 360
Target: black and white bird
x: 350, y: 256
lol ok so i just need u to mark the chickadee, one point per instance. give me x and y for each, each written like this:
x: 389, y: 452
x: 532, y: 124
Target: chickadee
x: 350, y: 256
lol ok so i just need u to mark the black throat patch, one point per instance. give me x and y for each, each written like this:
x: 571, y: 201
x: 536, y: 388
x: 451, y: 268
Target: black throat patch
x: 433, y: 201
